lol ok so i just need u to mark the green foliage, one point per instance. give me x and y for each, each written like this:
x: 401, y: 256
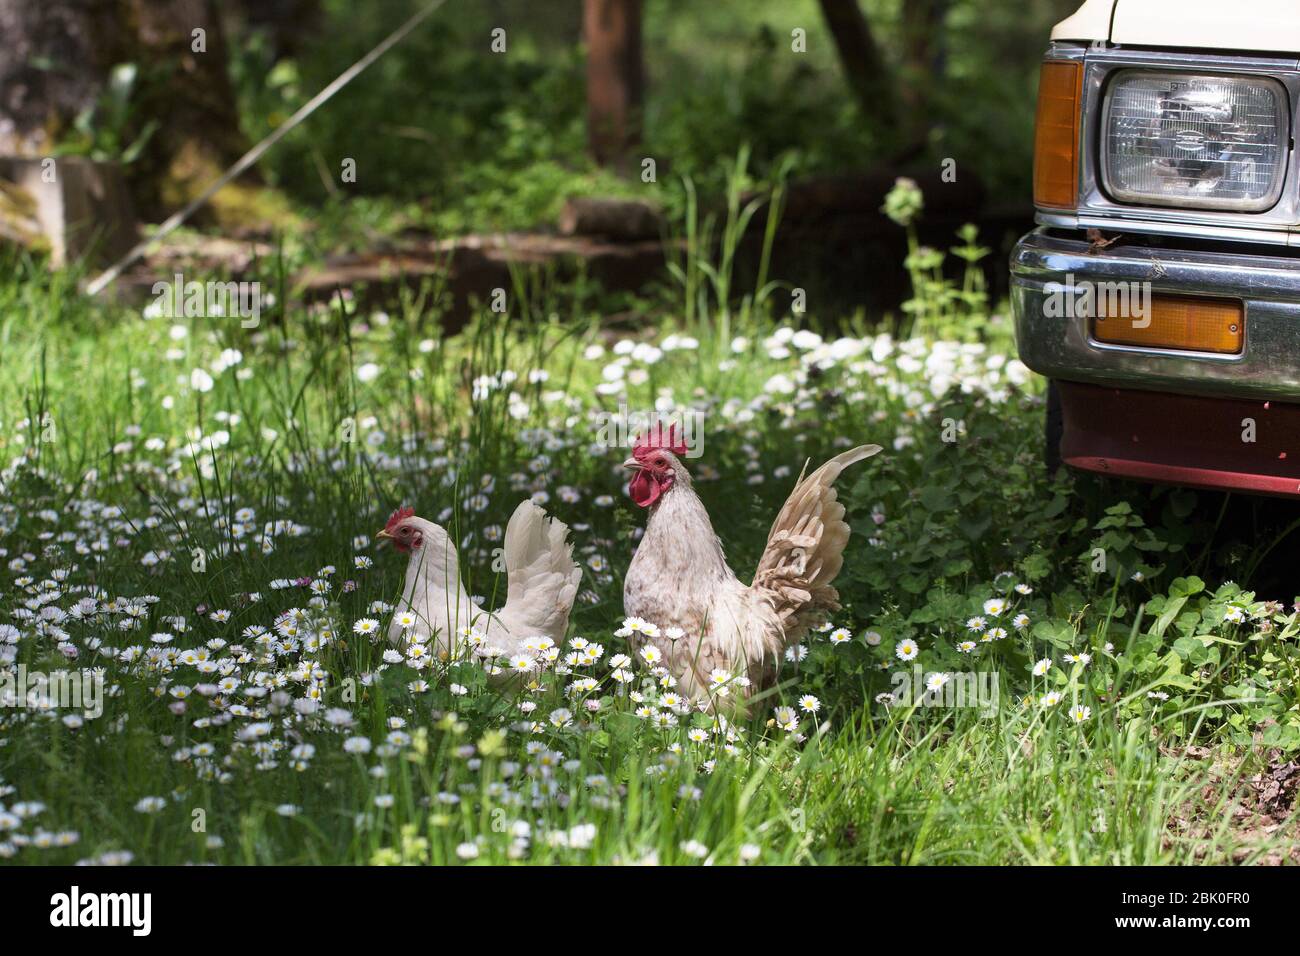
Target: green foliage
x: 1104, y: 661
x: 111, y: 130
x: 939, y: 307
x: 448, y: 136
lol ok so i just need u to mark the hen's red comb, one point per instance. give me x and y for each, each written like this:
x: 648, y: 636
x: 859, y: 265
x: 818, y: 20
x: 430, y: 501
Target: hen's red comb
x: 397, y: 517
x: 654, y: 440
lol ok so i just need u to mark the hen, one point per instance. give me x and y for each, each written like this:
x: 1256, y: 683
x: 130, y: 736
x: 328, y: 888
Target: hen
x: 679, y: 579
x: 541, y: 583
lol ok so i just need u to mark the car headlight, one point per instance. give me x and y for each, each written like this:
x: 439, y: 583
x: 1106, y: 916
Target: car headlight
x: 1198, y: 141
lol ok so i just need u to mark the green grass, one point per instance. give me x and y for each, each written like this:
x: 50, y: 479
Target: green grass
x: 125, y: 476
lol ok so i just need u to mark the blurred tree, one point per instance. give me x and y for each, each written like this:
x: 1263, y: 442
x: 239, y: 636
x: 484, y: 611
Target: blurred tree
x: 54, y: 63
x: 864, y: 65
x: 615, y: 79
x: 287, y: 24
x: 57, y: 67
x: 190, y: 92
x: 923, y: 64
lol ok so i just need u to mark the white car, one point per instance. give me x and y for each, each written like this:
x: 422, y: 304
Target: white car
x: 1160, y: 293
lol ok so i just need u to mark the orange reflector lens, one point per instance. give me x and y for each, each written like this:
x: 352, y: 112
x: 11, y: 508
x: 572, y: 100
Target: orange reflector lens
x: 1193, y: 323
x: 1056, y: 135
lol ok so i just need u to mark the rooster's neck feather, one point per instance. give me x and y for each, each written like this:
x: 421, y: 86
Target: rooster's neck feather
x: 679, y: 523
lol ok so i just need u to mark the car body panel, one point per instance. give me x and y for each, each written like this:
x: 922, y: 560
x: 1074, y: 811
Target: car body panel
x: 1225, y: 444
x: 1221, y: 420
x: 1272, y: 25
x: 1089, y: 23
x: 1058, y: 342
x: 1262, y: 25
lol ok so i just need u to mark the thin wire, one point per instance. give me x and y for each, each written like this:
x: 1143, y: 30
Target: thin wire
x: 111, y: 274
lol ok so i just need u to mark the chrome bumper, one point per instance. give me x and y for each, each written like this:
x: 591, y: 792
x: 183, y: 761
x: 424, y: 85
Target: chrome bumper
x: 1062, y: 346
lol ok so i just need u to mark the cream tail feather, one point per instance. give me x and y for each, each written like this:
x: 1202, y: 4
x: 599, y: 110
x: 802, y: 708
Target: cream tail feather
x: 805, y: 548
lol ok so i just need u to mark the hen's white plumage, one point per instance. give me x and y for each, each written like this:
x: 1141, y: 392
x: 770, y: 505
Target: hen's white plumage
x: 541, y: 584
x: 679, y: 576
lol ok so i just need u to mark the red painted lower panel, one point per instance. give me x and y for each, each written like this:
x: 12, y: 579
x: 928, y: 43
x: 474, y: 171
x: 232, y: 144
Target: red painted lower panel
x: 1182, y: 439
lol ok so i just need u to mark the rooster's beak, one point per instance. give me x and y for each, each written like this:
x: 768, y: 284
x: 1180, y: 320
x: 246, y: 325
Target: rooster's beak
x: 383, y: 534
x: 632, y: 464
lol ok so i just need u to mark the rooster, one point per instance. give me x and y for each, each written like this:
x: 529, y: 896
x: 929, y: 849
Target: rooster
x: 541, y: 584
x: 709, y: 627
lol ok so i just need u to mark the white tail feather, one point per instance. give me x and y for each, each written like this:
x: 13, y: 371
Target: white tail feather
x: 541, y: 576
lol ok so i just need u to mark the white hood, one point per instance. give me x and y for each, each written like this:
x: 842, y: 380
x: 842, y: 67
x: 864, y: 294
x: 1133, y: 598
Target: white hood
x: 1090, y: 22
x: 1257, y: 25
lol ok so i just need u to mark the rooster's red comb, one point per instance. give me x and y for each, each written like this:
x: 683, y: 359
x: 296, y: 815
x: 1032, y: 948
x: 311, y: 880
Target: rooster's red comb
x: 655, y: 439
x: 397, y: 517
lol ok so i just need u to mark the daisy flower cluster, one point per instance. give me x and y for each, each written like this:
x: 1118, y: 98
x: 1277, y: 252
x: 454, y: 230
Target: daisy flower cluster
x: 276, y: 662
x: 21, y: 826
x: 256, y: 690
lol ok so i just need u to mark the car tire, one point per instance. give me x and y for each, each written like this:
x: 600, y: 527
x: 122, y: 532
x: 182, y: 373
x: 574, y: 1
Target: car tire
x: 1053, y: 429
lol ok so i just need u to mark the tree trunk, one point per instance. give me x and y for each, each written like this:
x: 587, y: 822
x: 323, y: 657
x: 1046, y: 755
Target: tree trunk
x: 188, y: 89
x: 615, y: 79
x: 55, y: 59
x: 55, y: 56
x: 924, y: 63
x: 864, y: 65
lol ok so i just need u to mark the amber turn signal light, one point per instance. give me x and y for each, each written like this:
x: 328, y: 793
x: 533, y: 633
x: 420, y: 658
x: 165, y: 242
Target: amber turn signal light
x: 1191, y: 323
x: 1056, y: 135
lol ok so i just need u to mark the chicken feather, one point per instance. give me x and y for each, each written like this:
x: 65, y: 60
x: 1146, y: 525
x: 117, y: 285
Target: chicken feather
x: 541, y: 584
x: 679, y: 576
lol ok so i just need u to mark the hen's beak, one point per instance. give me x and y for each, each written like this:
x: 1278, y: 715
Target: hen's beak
x: 383, y: 534
x: 632, y: 464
